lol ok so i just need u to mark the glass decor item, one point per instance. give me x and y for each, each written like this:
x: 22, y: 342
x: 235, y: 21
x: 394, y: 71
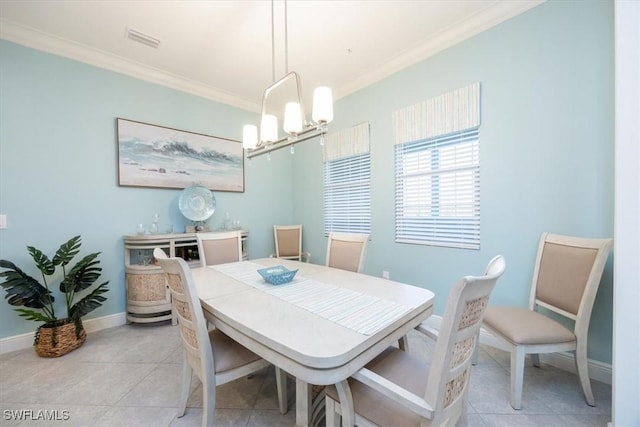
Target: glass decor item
x: 197, y: 203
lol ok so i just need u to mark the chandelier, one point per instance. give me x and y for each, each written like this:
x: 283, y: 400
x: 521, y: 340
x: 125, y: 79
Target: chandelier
x: 295, y: 124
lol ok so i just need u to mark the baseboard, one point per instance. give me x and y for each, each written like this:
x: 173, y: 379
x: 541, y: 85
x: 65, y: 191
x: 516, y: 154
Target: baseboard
x: 22, y: 341
x: 598, y: 371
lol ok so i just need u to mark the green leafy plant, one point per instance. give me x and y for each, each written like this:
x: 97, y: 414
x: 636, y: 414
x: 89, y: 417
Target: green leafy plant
x: 23, y: 290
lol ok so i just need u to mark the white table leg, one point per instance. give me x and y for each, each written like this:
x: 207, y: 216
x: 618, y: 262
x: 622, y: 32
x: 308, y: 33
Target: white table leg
x: 303, y: 403
x: 281, y: 382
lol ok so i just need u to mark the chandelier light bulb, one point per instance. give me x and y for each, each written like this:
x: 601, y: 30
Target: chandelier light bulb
x: 269, y: 128
x: 292, y: 118
x: 249, y: 137
x: 322, y: 105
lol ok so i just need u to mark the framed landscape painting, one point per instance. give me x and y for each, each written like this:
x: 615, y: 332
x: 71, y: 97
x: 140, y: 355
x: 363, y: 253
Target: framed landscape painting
x: 161, y: 157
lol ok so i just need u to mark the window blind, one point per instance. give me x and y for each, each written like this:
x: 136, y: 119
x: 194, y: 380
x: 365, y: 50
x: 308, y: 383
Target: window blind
x: 438, y: 191
x: 347, y: 181
x: 437, y: 170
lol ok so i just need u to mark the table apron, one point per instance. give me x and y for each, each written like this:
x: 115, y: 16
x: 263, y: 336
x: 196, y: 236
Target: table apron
x: 313, y: 375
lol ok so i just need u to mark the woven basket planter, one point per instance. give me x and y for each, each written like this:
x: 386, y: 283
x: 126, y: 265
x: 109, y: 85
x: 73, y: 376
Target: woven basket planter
x: 58, y: 339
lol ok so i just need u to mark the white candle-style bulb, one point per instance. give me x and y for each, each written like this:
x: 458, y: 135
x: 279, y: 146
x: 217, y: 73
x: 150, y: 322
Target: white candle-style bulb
x: 269, y: 128
x: 322, y: 105
x: 249, y: 137
x: 292, y: 118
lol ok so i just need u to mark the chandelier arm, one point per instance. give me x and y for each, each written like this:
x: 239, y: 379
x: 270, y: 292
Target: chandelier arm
x: 305, y: 135
x: 279, y: 83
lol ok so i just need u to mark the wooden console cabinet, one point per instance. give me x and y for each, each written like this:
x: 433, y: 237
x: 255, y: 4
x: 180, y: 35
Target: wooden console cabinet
x: 148, y: 297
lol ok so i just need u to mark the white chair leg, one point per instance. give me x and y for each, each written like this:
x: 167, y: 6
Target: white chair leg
x: 517, y: 376
x: 208, y: 404
x: 346, y: 403
x: 535, y: 358
x: 281, y: 385
x: 187, y: 375
x: 331, y: 415
x: 583, y: 374
x: 463, y: 420
x: 403, y: 343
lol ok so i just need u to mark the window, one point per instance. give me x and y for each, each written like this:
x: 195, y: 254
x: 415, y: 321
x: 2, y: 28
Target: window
x: 347, y: 194
x: 438, y: 190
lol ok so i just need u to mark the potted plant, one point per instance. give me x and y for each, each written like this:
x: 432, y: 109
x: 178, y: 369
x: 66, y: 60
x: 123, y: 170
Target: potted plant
x: 56, y: 336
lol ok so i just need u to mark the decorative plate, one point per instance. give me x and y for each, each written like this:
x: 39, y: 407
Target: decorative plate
x: 197, y: 203
x: 277, y: 275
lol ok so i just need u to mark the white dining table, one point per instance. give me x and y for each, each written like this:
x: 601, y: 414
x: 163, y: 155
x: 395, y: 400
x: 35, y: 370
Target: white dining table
x: 320, y: 328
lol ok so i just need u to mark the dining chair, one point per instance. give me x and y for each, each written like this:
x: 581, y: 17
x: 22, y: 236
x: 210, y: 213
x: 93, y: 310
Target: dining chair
x: 220, y: 247
x: 288, y: 241
x: 398, y: 388
x: 214, y: 357
x: 566, y: 277
x: 346, y: 251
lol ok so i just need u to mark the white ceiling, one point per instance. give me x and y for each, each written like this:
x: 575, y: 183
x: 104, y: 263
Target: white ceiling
x: 221, y: 50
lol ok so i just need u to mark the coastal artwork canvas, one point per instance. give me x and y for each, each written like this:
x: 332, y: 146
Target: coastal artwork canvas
x: 157, y: 156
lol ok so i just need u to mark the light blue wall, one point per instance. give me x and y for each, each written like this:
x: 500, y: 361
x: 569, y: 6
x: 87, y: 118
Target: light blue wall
x: 58, y: 166
x: 546, y: 157
x: 546, y: 152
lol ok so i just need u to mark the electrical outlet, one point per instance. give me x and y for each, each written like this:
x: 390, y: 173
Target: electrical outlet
x: 385, y: 274
x: 3, y: 221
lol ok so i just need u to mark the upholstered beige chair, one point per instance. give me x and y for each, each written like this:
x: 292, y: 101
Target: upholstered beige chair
x: 346, y: 251
x: 219, y: 248
x: 566, y: 277
x: 399, y: 389
x: 288, y: 241
x: 215, y: 358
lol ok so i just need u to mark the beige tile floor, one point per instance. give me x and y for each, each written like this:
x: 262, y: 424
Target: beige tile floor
x: 130, y: 376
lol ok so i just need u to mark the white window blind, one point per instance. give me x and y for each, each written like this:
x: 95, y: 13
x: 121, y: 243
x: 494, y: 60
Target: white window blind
x: 438, y: 191
x: 437, y: 171
x: 347, y: 181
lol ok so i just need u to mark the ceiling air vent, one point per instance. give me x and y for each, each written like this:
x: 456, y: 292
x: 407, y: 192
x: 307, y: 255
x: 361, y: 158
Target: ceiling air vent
x: 143, y: 38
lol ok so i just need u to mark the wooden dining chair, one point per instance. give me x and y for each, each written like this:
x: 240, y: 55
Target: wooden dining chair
x: 288, y: 242
x: 214, y: 357
x: 399, y: 389
x: 566, y: 277
x: 219, y: 248
x: 346, y: 251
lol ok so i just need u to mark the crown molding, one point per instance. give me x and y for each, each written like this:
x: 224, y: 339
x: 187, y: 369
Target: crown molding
x: 494, y: 14
x: 49, y: 43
